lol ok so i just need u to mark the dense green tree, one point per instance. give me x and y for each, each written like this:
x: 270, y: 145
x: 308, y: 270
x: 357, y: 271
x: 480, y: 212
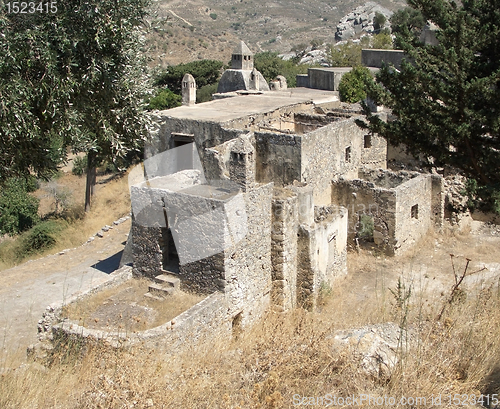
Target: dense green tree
x: 379, y: 21
x: 205, y: 72
x: 34, y: 94
x: 109, y: 71
x: 165, y: 99
x: 353, y: 85
x: 271, y: 65
x: 72, y: 76
x: 18, y: 209
x: 407, y: 20
x: 445, y: 101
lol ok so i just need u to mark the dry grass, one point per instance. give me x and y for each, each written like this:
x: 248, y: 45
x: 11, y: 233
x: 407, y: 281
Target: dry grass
x: 126, y: 308
x: 112, y: 201
x: 285, y: 355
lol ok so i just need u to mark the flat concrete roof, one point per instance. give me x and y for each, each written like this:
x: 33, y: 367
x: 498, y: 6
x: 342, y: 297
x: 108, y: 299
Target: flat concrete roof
x: 227, y: 109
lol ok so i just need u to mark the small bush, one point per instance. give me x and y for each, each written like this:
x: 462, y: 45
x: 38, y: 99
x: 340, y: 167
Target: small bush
x: 213, y: 16
x: 165, y: 99
x: 41, y: 237
x: 205, y: 93
x: 365, y: 227
x: 18, y: 209
x: 79, y: 166
x: 352, y: 87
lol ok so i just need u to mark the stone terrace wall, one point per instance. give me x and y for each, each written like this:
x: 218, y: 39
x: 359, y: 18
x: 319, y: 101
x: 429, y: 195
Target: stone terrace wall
x: 204, y: 322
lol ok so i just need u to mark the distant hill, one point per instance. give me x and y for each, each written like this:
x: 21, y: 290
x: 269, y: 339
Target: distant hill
x: 200, y: 29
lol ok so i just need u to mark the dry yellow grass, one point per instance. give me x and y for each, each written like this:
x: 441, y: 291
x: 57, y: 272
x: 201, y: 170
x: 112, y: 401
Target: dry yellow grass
x: 111, y: 201
x: 284, y: 356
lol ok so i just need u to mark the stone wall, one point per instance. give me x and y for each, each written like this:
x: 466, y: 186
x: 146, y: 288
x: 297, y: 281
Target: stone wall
x: 328, y: 153
x: 322, y: 256
x: 413, y: 212
x: 278, y: 158
x: 285, y: 213
x: 326, y: 78
x: 374, y: 152
x: 375, y: 58
x: 204, y: 322
x: 248, y: 263
x: 400, y: 206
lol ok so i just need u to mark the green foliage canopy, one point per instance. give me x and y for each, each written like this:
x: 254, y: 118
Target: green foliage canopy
x: 18, y: 209
x: 165, y: 99
x: 34, y: 94
x: 353, y: 85
x: 445, y: 102
x: 205, y: 72
x: 271, y: 65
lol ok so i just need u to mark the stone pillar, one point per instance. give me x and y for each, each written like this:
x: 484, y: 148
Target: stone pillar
x: 188, y: 90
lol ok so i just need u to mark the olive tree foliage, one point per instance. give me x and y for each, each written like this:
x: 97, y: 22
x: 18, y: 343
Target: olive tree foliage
x: 109, y: 70
x: 76, y: 78
x: 35, y: 88
x: 445, y: 101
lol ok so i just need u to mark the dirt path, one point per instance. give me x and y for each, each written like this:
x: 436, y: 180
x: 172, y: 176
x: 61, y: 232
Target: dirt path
x: 26, y: 290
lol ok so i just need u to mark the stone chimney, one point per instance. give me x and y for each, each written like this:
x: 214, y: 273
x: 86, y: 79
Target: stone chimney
x: 242, y: 58
x: 188, y: 90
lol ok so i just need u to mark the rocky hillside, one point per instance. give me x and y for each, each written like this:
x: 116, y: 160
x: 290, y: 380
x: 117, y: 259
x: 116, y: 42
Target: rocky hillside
x: 198, y: 29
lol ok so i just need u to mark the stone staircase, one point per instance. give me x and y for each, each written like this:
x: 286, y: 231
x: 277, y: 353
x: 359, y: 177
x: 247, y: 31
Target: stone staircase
x: 164, y: 285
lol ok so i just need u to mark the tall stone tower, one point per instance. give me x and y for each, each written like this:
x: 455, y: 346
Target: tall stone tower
x: 242, y: 58
x: 188, y: 90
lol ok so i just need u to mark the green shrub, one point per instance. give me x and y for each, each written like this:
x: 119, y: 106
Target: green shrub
x: 271, y: 65
x: 213, y: 16
x: 165, y: 99
x: 205, y: 93
x: 365, y: 227
x: 18, y: 209
x: 41, y: 237
x: 353, y: 85
x: 79, y: 166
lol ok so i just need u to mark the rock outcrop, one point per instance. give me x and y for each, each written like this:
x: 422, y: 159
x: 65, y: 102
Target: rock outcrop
x: 361, y: 20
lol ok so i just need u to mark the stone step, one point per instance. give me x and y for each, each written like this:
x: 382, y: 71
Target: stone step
x: 153, y: 297
x: 168, y: 280
x: 161, y: 289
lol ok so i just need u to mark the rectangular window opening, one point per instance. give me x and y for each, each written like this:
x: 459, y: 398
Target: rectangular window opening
x: 368, y: 141
x: 348, y: 154
x: 414, y: 211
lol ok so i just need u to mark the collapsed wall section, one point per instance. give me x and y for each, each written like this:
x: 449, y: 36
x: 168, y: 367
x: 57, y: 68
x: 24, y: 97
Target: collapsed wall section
x: 391, y: 209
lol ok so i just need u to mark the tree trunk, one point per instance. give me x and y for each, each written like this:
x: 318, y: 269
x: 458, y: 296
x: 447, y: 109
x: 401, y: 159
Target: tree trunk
x: 91, y: 179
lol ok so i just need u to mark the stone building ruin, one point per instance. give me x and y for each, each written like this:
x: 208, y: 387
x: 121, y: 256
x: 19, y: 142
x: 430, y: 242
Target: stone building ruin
x: 305, y: 175
x: 253, y: 198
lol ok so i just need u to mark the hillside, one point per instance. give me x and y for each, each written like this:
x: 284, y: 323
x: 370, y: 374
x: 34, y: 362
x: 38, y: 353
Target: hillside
x: 200, y: 29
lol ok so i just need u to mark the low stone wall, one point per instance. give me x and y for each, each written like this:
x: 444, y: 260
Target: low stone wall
x: 52, y: 314
x: 206, y: 320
